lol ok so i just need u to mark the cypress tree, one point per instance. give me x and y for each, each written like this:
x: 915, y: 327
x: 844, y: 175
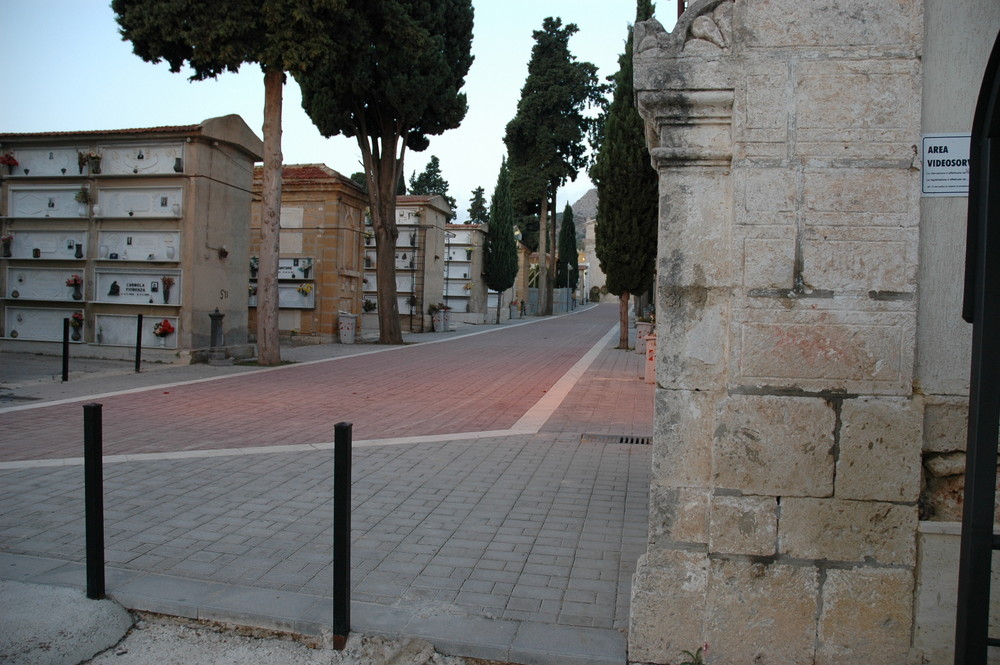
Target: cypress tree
x: 627, y: 192
x: 567, y: 265
x: 501, y: 246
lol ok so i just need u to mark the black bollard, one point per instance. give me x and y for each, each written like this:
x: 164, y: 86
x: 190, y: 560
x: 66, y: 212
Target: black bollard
x: 65, y: 350
x: 138, y: 343
x: 93, y: 487
x: 341, y: 534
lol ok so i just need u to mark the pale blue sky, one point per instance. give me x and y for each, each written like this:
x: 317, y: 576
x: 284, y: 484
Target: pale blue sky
x: 64, y: 67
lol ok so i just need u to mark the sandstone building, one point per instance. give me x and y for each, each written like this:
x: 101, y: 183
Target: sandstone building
x: 102, y: 226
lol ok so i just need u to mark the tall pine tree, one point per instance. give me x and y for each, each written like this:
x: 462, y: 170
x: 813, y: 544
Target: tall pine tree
x: 501, y: 246
x: 431, y: 182
x: 545, y: 140
x: 214, y: 37
x: 627, y: 192
x: 391, y: 79
x: 478, y: 212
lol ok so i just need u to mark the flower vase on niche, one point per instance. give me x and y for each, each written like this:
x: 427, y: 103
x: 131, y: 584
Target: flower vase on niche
x: 79, y: 251
x: 76, y: 283
x: 6, y: 246
x: 167, y: 283
x: 76, y: 322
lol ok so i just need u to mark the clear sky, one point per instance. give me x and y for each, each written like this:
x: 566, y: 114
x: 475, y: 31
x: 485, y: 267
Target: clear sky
x: 64, y: 67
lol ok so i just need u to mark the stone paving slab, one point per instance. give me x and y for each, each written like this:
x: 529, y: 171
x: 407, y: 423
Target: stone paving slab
x: 454, y: 634
x: 511, y: 528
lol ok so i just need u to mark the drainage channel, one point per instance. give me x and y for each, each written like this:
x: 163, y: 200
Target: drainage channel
x: 616, y: 438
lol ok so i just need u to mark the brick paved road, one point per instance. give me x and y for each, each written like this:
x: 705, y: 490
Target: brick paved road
x: 475, y: 383
x: 529, y: 526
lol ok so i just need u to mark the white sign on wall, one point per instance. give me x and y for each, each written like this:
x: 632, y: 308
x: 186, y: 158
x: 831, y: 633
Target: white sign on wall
x: 945, y: 160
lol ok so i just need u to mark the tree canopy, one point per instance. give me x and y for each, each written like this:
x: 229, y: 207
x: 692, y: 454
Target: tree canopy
x: 627, y: 191
x: 478, y: 212
x: 390, y: 79
x: 545, y: 139
x: 214, y: 37
x: 501, y: 246
x: 431, y: 182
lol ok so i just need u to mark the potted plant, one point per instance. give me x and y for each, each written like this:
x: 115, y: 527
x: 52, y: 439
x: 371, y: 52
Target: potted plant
x: 440, y: 317
x: 76, y: 282
x: 368, y: 306
x: 76, y: 322
x: 305, y: 289
x: 91, y: 159
x: 6, y: 240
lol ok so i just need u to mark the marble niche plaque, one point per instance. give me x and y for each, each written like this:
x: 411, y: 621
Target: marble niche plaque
x: 47, y: 162
x: 138, y: 287
x: 45, y: 202
x: 49, y: 245
x: 120, y: 330
x: 139, y: 202
x: 35, y: 323
x: 142, y: 159
x: 41, y: 284
x: 290, y: 296
x: 139, y: 246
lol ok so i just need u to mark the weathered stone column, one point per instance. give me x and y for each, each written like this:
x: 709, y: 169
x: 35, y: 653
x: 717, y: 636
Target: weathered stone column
x: 786, y: 460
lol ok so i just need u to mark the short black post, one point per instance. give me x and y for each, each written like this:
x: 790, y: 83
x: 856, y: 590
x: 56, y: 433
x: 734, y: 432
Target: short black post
x: 93, y: 486
x: 65, y: 350
x: 341, y: 534
x: 138, y: 343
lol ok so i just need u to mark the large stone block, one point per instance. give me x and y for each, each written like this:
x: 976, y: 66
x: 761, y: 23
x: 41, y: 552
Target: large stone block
x: 667, y: 611
x: 850, y: 259
x: 682, y: 428
x: 693, y: 324
x: 847, y: 23
x: 761, y: 613
x: 946, y: 424
x: 852, y: 531
x: 866, y: 617
x: 678, y: 516
x: 776, y: 446
x: 828, y: 345
x: 880, y: 439
x: 883, y: 94
x: 743, y: 525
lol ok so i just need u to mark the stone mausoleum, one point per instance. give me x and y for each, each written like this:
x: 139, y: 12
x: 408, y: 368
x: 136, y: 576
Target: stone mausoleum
x: 100, y: 227
x: 812, y: 362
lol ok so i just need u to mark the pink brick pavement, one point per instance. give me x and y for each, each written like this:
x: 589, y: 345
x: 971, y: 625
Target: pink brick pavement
x: 476, y: 383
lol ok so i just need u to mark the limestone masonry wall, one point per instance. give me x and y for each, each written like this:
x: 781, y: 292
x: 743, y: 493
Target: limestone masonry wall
x: 787, y: 459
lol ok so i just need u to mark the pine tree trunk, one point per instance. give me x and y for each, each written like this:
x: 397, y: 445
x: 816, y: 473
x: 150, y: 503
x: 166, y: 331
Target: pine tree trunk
x: 550, y: 295
x: 382, y: 171
x: 623, y: 321
x: 544, y: 303
x: 268, y: 343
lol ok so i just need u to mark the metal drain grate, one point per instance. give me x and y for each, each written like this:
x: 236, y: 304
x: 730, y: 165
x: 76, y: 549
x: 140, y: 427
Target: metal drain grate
x: 616, y: 438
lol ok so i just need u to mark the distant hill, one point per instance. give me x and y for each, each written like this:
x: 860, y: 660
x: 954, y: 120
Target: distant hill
x: 585, y: 207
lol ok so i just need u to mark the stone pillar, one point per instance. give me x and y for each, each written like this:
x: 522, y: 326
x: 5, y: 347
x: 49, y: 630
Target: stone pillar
x: 786, y: 461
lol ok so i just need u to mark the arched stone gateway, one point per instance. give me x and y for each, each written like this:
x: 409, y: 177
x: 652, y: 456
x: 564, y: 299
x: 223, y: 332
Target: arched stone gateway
x: 812, y: 364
